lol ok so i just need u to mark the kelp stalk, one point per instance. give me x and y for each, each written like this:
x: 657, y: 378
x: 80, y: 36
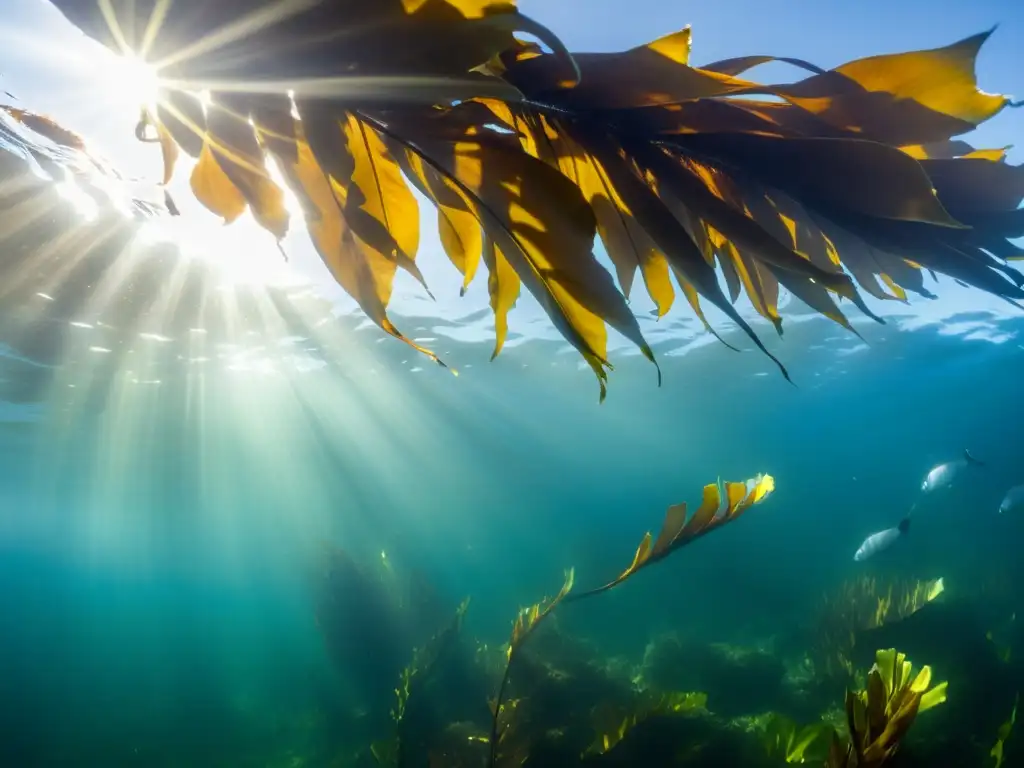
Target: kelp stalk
x: 526, y: 622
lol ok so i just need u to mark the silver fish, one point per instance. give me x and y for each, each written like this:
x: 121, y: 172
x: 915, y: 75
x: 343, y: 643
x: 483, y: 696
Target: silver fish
x: 1014, y: 499
x: 943, y: 475
x: 881, y: 541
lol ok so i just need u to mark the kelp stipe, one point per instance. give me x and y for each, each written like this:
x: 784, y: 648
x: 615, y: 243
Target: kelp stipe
x: 879, y: 717
x: 502, y: 711
x: 721, y: 505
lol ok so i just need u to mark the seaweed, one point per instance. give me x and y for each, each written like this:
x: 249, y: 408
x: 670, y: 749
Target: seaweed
x: 613, y: 722
x: 721, y: 505
x: 504, y: 749
x: 528, y: 153
x: 785, y: 739
x: 1004, y: 733
x: 416, y: 673
x: 859, y: 605
x: 879, y: 717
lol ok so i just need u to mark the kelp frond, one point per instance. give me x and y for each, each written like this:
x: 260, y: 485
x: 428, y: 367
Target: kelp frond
x: 722, y: 504
x: 879, y: 717
x: 844, y: 181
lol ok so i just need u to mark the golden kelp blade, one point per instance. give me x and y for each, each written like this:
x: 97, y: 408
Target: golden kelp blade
x: 680, y: 169
x: 363, y: 271
x: 907, y: 98
x: 721, y: 505
x: 544, y: 228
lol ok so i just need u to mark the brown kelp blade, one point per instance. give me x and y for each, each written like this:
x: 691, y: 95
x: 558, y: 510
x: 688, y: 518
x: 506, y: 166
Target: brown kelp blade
x: 242, y: 41
x: 722, y: 503
x: 528, y: 151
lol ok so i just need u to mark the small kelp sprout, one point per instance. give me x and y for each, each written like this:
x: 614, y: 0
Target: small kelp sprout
x: 528, y: 153
x: 879, y: 717
x: 721, y: 505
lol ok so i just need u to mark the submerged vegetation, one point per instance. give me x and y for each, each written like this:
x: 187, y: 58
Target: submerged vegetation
x: 879, y: 717
x: 529, y: 151
x: 859, y: 605
x: 559, y: 702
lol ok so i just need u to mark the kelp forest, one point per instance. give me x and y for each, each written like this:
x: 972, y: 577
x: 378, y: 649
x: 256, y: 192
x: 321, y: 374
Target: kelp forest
x: 826, y: 695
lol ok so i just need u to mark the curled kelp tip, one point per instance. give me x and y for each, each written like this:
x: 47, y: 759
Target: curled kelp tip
x: 685, y: 173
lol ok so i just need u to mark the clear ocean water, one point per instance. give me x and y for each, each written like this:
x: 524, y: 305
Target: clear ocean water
x: 229, y: 516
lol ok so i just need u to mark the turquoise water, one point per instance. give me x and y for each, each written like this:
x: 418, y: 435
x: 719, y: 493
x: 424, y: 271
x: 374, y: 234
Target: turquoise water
x: 229, y: 517
x: 160, y: 559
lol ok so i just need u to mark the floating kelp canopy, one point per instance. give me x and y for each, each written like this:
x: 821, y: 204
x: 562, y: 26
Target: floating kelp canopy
x: 844, y: 181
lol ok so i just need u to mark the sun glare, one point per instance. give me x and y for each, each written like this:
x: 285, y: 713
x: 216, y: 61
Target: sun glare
x: 130, y: 78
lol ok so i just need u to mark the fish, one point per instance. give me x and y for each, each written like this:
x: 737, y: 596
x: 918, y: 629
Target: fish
x: 943, y: 475
x: 1014, y: 499
x: 881, y: 541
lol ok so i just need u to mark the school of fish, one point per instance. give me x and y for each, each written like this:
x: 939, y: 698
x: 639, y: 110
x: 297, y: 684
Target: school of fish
x: 940, y: 477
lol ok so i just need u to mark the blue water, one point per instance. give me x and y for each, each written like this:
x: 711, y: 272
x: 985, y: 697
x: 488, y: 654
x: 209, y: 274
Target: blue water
x: 177, y: 512
x: 157, y: 563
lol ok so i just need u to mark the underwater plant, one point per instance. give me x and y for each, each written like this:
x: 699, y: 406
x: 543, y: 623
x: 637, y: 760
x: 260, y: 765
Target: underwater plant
x: 784, y: 738
x: 416, y: 672
x: 1004, y: 733
x: 528, y: 153
x: 879, y: 716
x: 369, y: 617
x: 613, y: 723
x: 722, y: 503
x: 858, y: 605
x: 503, y: 749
